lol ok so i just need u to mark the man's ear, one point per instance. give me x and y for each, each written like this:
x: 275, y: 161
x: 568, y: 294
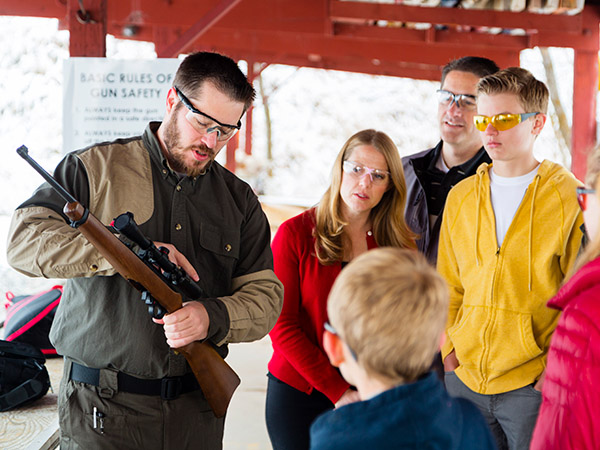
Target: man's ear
x: 171, y: 99
x: 333, y: 346
x: 539, y: 121
x: 442, y: 340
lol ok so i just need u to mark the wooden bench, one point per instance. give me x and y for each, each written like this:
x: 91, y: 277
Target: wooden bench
x: 277, y: 214
x: 34, y: 426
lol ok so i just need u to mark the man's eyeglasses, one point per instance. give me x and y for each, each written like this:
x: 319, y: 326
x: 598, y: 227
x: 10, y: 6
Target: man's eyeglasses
x: 501, y: 122
x: 197, y: 119
x: 357, y: 171
x: 328, y: 327
x: 582, y: 194
x: 464, y: 101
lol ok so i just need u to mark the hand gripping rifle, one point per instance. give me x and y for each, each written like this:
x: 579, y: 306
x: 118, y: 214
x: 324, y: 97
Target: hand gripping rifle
x: 217, y: 380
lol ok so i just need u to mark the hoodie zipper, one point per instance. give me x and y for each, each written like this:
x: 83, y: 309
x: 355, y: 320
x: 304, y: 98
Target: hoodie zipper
x: 488, y: 327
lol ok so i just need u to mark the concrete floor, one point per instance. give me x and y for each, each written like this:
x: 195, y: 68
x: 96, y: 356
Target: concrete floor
x: 245, y: 427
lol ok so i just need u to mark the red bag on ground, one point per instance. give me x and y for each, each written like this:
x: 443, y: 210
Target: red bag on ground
x: 29, y: 318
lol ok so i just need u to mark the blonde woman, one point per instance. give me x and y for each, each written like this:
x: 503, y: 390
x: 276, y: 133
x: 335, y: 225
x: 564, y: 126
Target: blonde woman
x: 569, y: 417
x: 363, y: 208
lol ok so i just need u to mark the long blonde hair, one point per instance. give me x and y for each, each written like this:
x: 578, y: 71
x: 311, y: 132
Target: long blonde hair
x: 387, y: 217
x: 592, y: 179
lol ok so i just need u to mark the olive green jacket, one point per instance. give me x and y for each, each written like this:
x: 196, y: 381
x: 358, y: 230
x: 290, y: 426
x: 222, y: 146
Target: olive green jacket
x: 214, y: 219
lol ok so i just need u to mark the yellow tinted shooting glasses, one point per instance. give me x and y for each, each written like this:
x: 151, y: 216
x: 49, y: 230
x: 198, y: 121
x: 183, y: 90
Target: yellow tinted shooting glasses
x: 501, y: 122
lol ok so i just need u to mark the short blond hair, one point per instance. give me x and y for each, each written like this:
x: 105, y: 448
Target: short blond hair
x: 531, y: 92
x: 390, y: 307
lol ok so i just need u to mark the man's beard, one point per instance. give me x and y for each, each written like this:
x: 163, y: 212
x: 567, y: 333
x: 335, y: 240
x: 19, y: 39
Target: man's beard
x: 176, y: 154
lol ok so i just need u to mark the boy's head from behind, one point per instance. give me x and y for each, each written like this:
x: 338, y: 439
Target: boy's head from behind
x: 531, y: 93
x: 389, y: 306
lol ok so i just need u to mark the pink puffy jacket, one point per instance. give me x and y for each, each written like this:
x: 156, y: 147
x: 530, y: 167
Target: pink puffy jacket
x: 569, y: 417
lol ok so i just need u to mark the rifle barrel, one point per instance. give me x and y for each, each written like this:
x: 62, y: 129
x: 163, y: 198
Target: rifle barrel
x: 24, y: 153
x: 217, y: 380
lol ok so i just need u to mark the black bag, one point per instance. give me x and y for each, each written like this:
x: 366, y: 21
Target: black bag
x: 29, y: 318
x: 23, y: 375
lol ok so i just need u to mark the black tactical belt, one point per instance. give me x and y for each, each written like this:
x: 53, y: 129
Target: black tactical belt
x: 169, y: 388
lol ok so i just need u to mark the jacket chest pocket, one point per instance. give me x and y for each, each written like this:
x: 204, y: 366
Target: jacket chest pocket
x: 221, y: 249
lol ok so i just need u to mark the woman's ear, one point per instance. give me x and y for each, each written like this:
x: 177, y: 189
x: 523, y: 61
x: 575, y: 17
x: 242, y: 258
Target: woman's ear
x: 390, y: 185
x: 333, y: 346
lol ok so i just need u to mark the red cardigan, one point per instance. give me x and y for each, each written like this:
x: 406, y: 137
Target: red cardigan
x: 569, y: 417
x: 298, y: 356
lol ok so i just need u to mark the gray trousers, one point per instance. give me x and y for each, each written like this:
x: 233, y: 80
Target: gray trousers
x: 131, y: 421
x: 510, y: 415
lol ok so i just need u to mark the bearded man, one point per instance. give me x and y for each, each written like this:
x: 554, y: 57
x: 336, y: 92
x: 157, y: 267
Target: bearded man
x: 117, y: 360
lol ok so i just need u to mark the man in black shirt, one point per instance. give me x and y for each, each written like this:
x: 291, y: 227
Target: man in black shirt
x: 432, y: 173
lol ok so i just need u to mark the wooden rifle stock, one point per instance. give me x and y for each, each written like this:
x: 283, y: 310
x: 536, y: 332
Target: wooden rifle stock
x: 217, y: 379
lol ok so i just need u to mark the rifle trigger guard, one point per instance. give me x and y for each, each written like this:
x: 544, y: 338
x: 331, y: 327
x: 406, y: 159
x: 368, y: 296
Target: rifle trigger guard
x: 84, y: 217
x: 155, y: 309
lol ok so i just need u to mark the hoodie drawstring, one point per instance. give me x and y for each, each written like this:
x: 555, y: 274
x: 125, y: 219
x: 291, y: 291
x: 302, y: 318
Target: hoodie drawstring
x: 535, y: 186
x: 478, y: 202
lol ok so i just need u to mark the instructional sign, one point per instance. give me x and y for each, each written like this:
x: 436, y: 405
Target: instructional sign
x: 106, y: 99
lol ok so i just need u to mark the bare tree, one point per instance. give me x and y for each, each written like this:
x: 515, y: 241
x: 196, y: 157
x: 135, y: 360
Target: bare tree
x: 561, y: 127
x: 265, y: 101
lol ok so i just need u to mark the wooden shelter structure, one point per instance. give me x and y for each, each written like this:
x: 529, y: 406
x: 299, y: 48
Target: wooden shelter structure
x: 414, y: 38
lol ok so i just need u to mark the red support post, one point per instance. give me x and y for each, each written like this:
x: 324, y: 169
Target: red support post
x: 87, y: 28
x: 585, y: 90
x: 248, y: 141
x: 232, y: 145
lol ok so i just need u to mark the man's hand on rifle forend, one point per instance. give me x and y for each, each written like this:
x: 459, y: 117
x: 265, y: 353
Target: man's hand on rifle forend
x: 176, y: 257
x: 186, y: 325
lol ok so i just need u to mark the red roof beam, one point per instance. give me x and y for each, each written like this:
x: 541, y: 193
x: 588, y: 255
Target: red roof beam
x: 390, y: 67
x: 515, y: 42
x: 34, y: 8
x: 431, y: 35
x: 285, y: 15
x: 284, y: 43
x: 350, y: 10
x: 197, y: 30
x: 373, y: 67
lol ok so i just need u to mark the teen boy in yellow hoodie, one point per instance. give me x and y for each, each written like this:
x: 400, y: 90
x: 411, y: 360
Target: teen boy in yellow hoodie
x: 509, y: 235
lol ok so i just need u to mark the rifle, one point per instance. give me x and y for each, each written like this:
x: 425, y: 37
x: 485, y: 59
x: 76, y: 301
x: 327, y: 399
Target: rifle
x: 216, y: 378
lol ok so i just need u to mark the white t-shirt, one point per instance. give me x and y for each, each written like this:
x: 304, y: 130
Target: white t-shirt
x: 441, y: 164
x: 507, y: 194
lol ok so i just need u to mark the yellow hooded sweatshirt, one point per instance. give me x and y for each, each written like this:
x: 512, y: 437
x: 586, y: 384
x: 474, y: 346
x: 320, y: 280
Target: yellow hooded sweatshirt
x: 498, y: 321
